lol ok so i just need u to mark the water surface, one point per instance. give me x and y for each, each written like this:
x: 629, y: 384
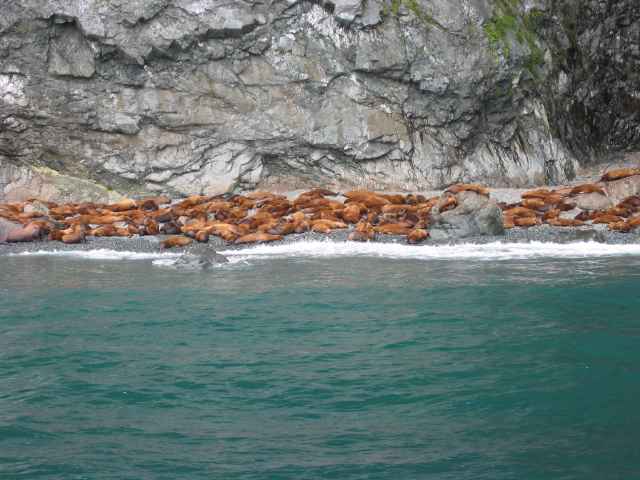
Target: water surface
x: 346, y: 365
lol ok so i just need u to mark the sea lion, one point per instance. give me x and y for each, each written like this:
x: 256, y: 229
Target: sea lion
x: 122, y: 205
x: 393, y: 229
x: 586, y: 188
x: 527, y: 222
x: 76, y: 236
x: 363, y: 232
x: 533, y: 203
x: 258, y: 238
x: 607, y: 218
x: 352, y: 213
x: 553, y: 213
x: 395, y: 199
x: 623, y: 227
x: 369, y: 199
x: 520, y: 212
x: 176, y: 241
x: 448, y: 204
x: 541, y: 193
x: 414, y: 199
x: 202, y: 236
x: 565, y: 222
x: 619, y: 174
x: 28, y: 233
x: 417, y: 235
x: 468, y: 187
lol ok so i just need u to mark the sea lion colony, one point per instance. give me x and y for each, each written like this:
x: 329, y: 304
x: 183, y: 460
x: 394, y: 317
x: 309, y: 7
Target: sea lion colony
x: 263, y: 217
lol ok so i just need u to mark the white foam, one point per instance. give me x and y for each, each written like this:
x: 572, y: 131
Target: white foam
x: 100, y: 254
x: 489, y: 251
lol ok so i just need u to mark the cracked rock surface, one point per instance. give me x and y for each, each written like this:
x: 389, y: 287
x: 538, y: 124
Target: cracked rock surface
x: 206, y: 96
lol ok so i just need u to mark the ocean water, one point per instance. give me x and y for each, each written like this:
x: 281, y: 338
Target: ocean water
x: 323, y: 361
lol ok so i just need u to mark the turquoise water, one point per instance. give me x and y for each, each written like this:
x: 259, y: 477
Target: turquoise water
x: 296, y: 367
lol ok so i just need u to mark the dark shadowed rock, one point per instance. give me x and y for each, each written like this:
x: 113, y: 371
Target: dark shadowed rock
x: 475, y: 215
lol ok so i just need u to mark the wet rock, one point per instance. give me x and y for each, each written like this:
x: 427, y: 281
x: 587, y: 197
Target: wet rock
x: 620, y: 189
x: 592, y: 201
x: 474, y: 215
x: 6, y: 227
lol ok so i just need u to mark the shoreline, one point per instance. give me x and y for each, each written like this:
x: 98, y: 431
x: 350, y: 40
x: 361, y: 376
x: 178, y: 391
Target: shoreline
x: 149, y: 244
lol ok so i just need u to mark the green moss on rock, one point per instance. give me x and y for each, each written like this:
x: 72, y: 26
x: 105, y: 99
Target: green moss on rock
x: 508, y: 24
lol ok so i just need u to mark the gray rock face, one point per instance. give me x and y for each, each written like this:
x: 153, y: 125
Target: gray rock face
x: 203, y: 96
x: 475, y: 215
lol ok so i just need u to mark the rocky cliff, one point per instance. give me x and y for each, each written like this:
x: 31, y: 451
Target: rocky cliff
x: 206, y: 96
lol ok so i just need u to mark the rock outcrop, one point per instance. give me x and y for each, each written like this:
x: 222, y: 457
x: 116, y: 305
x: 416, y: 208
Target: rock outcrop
x: 203, y: 96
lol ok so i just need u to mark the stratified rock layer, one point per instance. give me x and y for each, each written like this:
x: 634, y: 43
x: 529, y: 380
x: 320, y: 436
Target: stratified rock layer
x: 203, y: 96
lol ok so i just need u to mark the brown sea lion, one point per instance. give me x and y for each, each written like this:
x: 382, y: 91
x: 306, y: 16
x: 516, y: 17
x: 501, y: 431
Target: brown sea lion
x: 586, y: 188
x: 28, y: 233
x: 417, y: 235
x: 541, y: 193
x: 176, y: 241
x: 448, y: 204
x: 468, y: 187
x: 202, y: 236
x: 527, y: 222
x: 395, y: 199
x: 565, y: 222
x: 619, y: 174
x: 393, y: 229
x: 414, y: 199
x: 363, y: 232
x: 122, y: 205
x: 369, y: 199
x: 520, y: 212
x: 553, y: 213
x: 533, y: 203
x: 258, y: 238
x: 623, y: 227
x: 353, y: 212
x: 607, y: 218
x: 76, y: 236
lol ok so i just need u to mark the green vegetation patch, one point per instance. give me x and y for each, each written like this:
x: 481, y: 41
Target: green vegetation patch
x: 392, y: 7
x: 509, y: 22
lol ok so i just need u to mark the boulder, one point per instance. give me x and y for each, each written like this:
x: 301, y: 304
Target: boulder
x: 592, y: 201
x: 474, y: 215
x: 7, y: 227
x: 618, y: 190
